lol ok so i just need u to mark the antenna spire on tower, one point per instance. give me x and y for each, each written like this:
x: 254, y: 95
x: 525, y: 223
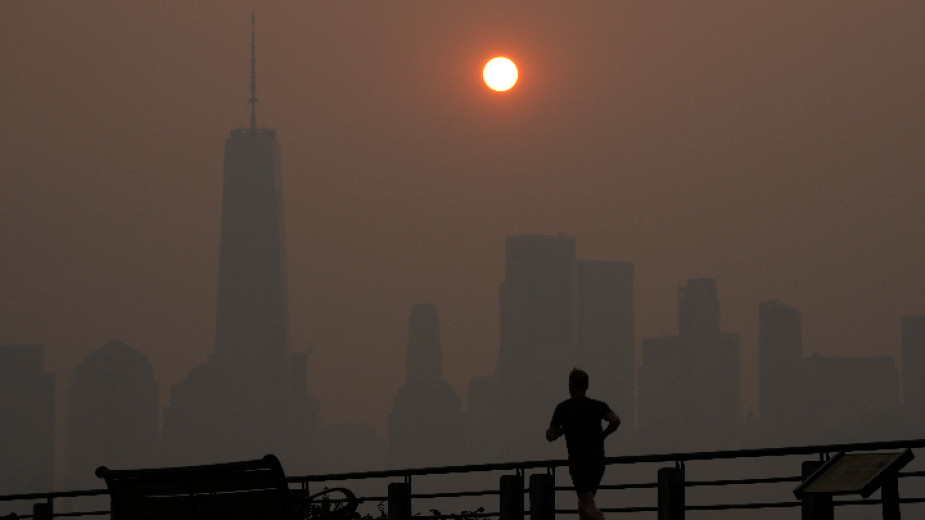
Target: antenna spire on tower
x: 253, y: 98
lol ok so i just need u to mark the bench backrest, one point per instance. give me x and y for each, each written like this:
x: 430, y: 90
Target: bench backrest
x: 248, y: 490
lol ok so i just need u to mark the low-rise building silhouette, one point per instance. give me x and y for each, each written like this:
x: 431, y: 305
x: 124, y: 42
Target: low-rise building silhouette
x: 27, y: 420
x: 483, y: 418
x: 346, y: 447
x: 819, y: 399
x: 848, y: 400
x: 112, y: 414
x: 913, y: 375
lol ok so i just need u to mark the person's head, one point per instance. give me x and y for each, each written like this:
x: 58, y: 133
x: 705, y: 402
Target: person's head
x: 577, y: 381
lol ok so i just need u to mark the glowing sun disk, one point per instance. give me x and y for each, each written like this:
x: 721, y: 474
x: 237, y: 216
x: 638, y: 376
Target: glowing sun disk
x: 500, y: 74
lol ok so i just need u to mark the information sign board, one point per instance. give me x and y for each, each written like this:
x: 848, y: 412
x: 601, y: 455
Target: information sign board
x: 854, y: 473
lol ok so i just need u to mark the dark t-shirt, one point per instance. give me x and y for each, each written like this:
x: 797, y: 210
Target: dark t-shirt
x: 580, y: 419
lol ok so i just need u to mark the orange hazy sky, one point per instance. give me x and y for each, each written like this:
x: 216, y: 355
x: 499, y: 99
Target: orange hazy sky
x: 776, y: 146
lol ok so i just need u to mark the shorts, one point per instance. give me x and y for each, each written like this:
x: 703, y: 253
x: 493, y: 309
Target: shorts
x: 586, y: 478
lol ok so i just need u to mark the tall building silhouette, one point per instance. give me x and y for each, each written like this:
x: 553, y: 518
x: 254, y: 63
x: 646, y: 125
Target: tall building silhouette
x: 913, y: 375
x: 698, y: 310
x: 556, y: 312
x: 112, y: 414
x: 426, y: 426
x: 535, y: 334
x: 250, y: 398
x: 603, y: 334
x: 691, y: 379
x: 780, y: 351
x: 27, y: 420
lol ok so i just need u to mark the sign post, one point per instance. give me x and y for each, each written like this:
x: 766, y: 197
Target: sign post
x: 854, y: 473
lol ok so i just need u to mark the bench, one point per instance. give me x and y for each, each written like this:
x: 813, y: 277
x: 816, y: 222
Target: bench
x: 246, y: 490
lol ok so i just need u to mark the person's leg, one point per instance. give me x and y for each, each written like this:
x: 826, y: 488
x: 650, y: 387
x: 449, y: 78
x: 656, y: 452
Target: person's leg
x: 587, y: 508
x: 586, y: 480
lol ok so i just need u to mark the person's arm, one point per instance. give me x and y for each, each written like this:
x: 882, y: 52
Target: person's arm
x: 556, y: 426
x: 553, y: 433
x: 613, y: 422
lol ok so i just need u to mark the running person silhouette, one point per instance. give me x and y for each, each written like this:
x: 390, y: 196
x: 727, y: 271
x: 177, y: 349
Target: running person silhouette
x: 579, y: 418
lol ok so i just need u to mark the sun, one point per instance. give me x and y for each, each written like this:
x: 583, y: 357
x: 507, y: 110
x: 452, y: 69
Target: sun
x: 500, y: 74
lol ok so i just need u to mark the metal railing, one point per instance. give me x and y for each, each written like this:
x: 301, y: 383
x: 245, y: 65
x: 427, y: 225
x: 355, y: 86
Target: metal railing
x: 669, y: 485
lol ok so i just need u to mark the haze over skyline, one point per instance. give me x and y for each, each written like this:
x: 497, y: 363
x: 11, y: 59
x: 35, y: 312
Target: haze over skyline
x: 776, y: 148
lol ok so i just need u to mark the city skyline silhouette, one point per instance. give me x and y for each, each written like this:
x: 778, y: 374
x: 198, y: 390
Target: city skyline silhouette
x: 780, y: 173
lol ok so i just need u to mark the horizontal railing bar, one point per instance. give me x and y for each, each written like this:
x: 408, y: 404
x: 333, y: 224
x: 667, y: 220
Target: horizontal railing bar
x: 642, y: 485
x: 759, y: 505
x: 453, y: 494
x: 464, y: 514
x: 768, y: 452
x: 438, y: 470
x: 769, y: 480
x: 857, y: 502
x: 638, y: 509
x: 751, y: 505
x: 54, y: 494
x: 744, y: 481
x: 73, y: 513
x: 467, y: 515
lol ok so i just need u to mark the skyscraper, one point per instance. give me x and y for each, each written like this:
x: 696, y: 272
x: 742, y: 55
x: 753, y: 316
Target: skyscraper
x: 535, y: 299
x: 250, y: 398
x: 27, y: 420
x: 689, y: 383
x: 252, y: 319
x: 555, y: 313
x: 535, y: 330
x: 426, y: 426
x: 698, y: 309
x: 603, y: 333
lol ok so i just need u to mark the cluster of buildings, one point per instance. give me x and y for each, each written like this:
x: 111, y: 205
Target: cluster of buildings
x: 681, y: 394
x: 556, y: 311
x: 248, y: 399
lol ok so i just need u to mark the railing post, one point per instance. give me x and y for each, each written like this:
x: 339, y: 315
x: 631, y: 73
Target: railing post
x: 671, y: 493
x: 542, y: 496
x: 400, y: 501
x: 42, y: 511
x: 889, y: 497
x: 816, y: 506
x: 512, y: 497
